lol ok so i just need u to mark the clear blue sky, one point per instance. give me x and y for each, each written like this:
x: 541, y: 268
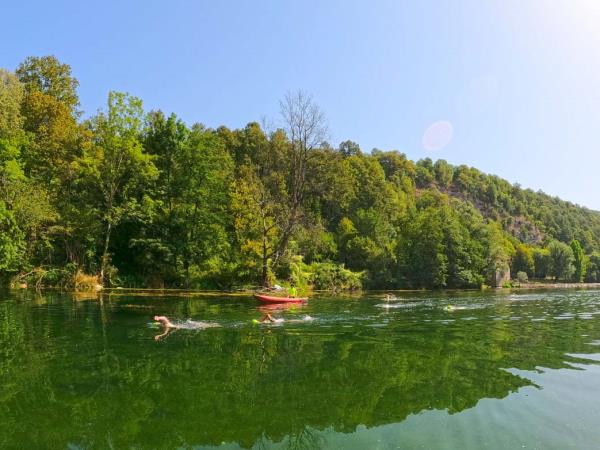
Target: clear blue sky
x: 519, y: 81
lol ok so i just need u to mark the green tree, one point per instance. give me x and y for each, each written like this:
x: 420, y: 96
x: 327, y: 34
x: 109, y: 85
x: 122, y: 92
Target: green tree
x: 260, y: 198
x: 443, y: 173
x: 50, y: 115
x: 49, y: 76
x: 593, y: 272
x: 306, y: 129
x: 541, y: 261
x: 119, y: 167
x: 422, y: 253
x: 274, y: 180
x: 12, y: 244
x: 349, y: 148
x: 561, y: 260
x: 425, y: 174
x: 523, y: 261
x: 463, y: 244
x: 205, y: 206
x: 11, y: 97
x: 25, y: 200
x: 499, y: 250
x: 181, y: 233
x: 257, y: 210
x: 579, y: 261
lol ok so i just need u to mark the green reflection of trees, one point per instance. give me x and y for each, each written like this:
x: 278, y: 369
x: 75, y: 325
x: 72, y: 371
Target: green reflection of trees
x: 87, y: 374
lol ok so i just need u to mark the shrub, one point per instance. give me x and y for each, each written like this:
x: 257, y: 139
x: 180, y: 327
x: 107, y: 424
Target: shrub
x: 323, y: 276
x: 84, y: 282
x: 333, y: 277
x: 522, y: 277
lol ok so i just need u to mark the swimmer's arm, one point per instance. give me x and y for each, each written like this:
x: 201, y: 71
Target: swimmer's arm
x: 267, y: 318
x: 158, y: 337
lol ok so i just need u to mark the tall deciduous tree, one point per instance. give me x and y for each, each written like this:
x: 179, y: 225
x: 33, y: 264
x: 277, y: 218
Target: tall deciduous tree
x: 257, y: 207
x: 349, y: 148
x: 273, y: 181
x: 561, y: 260
x: 11, y: 97
x: 593, y: 272
x: 12, y: 243
x: 49, y: 76
x: 499, y: 250
x: 186, y: 228
x: 541, y: 261
x: 523, y: 260
x: 579, y: 261
x: 306, y: 128
x: 50, y: 115
x: 119, y: 166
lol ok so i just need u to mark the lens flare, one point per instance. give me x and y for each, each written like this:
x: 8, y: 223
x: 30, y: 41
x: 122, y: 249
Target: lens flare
x: 438, y: 135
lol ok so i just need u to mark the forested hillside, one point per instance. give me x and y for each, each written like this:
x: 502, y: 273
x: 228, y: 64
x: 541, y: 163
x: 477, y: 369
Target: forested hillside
x: 139, y: 198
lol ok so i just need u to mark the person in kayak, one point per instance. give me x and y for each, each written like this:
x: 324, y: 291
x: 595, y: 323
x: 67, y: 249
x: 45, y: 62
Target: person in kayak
x: 292, y: 291
x: 187, y: 325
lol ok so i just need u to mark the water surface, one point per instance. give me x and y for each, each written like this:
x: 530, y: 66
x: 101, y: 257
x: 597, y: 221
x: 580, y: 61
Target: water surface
x: 448, y: 370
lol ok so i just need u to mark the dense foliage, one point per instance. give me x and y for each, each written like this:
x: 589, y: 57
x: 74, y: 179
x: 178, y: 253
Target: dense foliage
x: 142, y: 199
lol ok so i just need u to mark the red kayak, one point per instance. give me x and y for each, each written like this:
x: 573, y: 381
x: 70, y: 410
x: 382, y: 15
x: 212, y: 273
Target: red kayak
x: 273, y: 299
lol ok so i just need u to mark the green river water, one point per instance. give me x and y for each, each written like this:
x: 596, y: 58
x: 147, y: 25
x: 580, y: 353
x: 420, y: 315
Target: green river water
x: 497, y: 370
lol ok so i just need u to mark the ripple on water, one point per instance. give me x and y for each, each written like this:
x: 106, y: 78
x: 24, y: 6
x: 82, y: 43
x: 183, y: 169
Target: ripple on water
x: 526, y: 297
x: 564, y: 317
x: 398, y: 305
x: 451, y: 307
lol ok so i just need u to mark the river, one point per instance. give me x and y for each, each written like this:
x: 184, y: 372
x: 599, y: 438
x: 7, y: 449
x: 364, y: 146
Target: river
x: 464, y: 370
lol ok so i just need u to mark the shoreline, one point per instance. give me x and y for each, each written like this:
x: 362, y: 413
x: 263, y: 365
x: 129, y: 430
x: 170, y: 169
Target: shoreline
x: 557, y: 286
x: 245, y: 293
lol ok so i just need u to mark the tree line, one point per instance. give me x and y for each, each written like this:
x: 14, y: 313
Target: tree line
x: 136, y: 198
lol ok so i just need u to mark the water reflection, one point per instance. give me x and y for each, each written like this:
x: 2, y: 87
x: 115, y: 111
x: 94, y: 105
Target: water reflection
x: 89, y: 374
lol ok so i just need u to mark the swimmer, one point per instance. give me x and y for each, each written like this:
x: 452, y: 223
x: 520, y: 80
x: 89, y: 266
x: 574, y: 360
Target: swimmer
x: 164, y: 321
x: 187, y: 325
x: 389, y: 297
x: 268, y: 318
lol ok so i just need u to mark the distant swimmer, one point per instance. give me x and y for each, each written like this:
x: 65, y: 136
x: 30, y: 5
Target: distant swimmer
x: 268, y: 318
x: 187, y: 325
x: 390, y: 298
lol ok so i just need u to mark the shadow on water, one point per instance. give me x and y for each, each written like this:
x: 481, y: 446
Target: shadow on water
x: 86, y: 373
